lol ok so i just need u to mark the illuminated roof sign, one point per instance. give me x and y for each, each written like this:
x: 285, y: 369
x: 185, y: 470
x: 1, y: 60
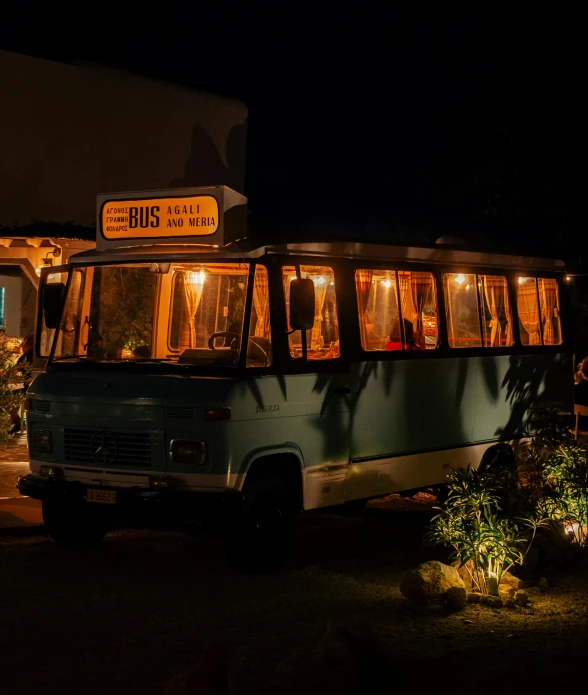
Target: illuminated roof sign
x: 213, y: 216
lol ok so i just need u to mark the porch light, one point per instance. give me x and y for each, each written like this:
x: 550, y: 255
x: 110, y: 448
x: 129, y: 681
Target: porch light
x: 387, y: 284
x: 460, y: 279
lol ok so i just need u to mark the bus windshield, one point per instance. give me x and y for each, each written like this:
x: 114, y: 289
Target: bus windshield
x: 179, y: 312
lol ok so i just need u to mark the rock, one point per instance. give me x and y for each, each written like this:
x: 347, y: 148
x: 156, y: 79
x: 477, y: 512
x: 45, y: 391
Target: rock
x: 475, y: 597
x: 509, y: 580
x: 510, y: 603
x: 522, y: 598
x: 533, y: 591
x: 492, y: 601
x: 543, y: 584
x: 429, y: 582
x: 507, y: 593
x: 457, y: 598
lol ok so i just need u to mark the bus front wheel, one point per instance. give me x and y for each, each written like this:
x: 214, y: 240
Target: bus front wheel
x: 260, y: 538
x: 72, y: 523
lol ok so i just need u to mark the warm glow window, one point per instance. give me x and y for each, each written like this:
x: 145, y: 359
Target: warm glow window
x: 477, y: 310
x: 208, y: 308
x: 538, y: 309
x: 462, y: 310
x: 322, y: 341
x: 496, y: 314
x: 71, y: 323
x: 122, y: 306
x: 397, y: 309
x: 259, y: 348
x: 191, y: 313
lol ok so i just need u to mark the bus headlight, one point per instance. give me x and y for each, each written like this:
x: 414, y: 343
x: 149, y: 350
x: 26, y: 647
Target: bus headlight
x: 41, y: 442
x: 188, y: 452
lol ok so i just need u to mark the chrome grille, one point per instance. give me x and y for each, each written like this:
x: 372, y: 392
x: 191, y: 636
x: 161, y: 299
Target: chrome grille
x: 107, y: 448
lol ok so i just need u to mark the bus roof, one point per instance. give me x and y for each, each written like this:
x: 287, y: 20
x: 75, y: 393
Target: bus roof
x: 248, y: 250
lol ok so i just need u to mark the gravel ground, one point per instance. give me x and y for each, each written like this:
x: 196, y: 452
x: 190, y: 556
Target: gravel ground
x: 140, y: 608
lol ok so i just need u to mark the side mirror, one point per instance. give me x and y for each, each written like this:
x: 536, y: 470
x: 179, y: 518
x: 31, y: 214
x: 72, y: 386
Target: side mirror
x: 53, y: 298
x: 301, y: 304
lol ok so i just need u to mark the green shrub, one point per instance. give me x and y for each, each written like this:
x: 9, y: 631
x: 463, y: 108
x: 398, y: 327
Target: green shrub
x: 557, y: 470
x: 565, y: 497
x: 482, y: 539
x: 10, y: 398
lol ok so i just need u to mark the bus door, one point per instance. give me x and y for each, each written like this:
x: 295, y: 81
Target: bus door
x: 317, y: 388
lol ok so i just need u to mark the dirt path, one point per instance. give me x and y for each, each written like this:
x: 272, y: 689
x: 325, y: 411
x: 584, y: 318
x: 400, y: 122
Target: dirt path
x: 141, y: 608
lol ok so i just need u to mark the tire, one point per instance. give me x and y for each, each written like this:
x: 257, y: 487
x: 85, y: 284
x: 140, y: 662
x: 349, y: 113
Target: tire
x: 74, y: 524
x: 260, y: 538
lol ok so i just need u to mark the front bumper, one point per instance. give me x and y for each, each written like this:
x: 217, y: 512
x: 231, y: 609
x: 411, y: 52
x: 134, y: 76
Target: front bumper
x: 188, y: 504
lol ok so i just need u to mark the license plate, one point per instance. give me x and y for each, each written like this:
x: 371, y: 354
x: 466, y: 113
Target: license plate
x: 102, y: 496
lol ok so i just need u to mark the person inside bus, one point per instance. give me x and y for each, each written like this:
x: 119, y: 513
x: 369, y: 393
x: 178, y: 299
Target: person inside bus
x: 395, y: 340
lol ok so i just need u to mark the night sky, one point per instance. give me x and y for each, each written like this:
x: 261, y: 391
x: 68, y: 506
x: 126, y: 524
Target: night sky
x: 376, y: 123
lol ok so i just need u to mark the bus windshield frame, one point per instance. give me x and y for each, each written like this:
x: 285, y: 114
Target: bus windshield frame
x: 187, y: 313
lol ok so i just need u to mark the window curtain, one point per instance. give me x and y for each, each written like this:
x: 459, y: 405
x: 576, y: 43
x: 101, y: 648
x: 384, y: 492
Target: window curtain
x: 549, y: 309
x: 363, y: 284
x: 406, y: 299
x: 260, y: 302
x: 528, y: 309
x: 192, y: 295
x: 421, y: 287
x: 320, y: 293
x: 496, y: 293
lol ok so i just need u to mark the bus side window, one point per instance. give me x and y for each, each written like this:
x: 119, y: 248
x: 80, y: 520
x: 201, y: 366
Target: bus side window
x: 538, y: 308
x: 259, y: 348
x: 322, y: 341
x: 71, y: 327
x: 550, y: 321
x: 387, y: 297
x: 462, y: 312
x: 528, y: 310
x: 496, y: 312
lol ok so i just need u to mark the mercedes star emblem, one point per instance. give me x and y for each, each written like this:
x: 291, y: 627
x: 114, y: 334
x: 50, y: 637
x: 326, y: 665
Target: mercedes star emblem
x: 104, y: 448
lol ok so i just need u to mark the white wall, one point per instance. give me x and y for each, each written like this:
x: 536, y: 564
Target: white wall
x: 12, y: 304
x: 70, y: 132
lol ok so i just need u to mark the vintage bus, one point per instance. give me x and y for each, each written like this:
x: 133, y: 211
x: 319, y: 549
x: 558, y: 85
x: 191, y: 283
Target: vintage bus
x: 206, y: 377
